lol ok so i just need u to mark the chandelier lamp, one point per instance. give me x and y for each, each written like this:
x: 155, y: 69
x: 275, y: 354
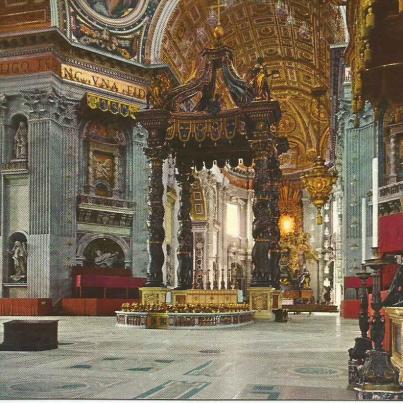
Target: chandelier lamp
x: 319, y: 183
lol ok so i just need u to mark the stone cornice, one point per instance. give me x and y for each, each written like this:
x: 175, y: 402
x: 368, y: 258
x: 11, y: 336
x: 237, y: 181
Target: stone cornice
x: 53, y: 40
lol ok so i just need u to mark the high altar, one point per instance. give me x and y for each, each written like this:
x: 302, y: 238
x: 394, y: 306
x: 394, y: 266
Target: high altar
x: 189, y: 123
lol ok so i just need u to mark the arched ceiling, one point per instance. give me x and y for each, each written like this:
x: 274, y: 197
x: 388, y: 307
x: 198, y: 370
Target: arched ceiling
x: 180, y: 30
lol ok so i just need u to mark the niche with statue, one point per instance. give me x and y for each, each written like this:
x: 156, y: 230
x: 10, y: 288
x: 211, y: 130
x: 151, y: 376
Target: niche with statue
x: 104, y: 253
x: 18, y: 139
x: 17, y: 258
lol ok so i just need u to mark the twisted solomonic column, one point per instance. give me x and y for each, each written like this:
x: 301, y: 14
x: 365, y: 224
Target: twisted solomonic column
x: 185, y: 235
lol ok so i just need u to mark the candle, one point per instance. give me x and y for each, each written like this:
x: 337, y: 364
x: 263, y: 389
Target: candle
x: 363, y: 228
x: 375, y: 202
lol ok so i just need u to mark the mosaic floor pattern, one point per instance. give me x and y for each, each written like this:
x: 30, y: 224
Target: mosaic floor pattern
x: 305, y: 358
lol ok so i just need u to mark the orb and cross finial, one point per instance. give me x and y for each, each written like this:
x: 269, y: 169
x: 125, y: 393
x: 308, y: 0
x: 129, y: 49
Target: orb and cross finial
x: 218, y: 30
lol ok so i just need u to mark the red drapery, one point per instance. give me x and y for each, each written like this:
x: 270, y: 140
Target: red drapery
x: 391, y: 233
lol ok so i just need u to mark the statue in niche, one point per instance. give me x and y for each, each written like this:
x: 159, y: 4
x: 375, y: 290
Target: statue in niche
x: 106, y: 259
x: 21, y: 141
x: 19, y: 255
x: 304, y: 279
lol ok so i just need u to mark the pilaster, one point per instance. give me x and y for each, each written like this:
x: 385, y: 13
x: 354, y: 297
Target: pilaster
x: 3, y: 114
x: 139, y: 171
x: 53, y: 144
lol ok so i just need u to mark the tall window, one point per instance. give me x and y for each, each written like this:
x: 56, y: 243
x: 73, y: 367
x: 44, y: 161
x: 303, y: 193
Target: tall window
x: 232, y: 220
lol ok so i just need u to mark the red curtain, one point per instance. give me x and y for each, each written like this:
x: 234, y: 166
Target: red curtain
x: 391, y: 233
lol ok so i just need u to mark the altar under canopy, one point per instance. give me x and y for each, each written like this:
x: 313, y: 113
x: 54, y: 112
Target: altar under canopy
x: 190, y: 123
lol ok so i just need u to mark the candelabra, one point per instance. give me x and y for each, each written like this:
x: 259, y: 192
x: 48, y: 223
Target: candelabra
x: 363, y: 343
x: 378, y: 378
x: 222, y: 279
x: 208, y: 283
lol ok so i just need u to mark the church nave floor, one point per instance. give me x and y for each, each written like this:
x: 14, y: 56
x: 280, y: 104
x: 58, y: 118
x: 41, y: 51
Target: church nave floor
x: 305, y: 358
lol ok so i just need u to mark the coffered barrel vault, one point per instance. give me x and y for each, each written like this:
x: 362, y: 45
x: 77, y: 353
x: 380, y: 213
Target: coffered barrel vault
x: 180, y: 29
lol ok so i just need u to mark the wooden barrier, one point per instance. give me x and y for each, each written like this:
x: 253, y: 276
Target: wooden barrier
x: 311, y: 308
x: 93, y: 306
x: 25, y: 306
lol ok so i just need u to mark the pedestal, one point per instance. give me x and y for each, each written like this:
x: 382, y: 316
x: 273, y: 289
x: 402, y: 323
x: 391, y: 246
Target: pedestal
x: 396, y: 316
x: 30, y: 335
x: 157, y: 321
x: 263, y: 300
x: 153, y: 295
x: 306, y: 294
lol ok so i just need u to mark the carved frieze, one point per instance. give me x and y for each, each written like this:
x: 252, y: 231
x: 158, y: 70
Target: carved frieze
x: 104, y: 218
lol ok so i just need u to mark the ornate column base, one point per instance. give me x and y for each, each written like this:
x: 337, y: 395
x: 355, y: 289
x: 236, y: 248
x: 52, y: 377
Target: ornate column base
x: 378, y: 378
x: 377, y: 394
x: 153, y: 295
x: 263, y: 300
x: 356, y: 361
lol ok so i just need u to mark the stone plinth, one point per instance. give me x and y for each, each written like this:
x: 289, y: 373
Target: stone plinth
x: 396, y: 316
x: 306, y: 294
x: 205, y: 297
x: 30, y: 335
x: 153, y: 295
x: 263, y: 300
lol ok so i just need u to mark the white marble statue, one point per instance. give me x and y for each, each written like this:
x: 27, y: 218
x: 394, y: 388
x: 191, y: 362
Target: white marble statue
x: 21, y: 141
x: 104, y: 259
x: 19, y: 255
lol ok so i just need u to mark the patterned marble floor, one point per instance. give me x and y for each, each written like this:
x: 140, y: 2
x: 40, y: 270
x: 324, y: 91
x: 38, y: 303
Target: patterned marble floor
x: 305, y: 358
